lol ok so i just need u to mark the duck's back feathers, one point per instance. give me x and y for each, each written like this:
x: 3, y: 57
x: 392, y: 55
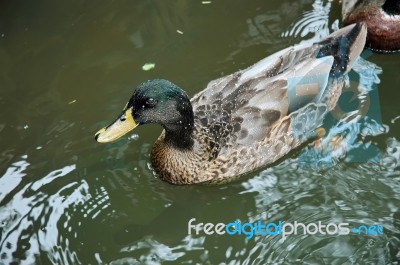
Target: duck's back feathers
x: 252, y: 100
x: 255, y: 116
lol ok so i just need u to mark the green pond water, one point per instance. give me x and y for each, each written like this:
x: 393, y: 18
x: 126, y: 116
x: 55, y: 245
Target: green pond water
x: 67, y: 68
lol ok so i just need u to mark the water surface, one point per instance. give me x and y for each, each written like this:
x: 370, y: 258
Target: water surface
x: 66, y: 70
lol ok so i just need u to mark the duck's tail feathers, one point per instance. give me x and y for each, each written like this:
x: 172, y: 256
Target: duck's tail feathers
x: 345, y: 45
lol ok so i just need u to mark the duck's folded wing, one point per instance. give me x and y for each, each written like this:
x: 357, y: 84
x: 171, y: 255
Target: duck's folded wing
x: 255, y: 98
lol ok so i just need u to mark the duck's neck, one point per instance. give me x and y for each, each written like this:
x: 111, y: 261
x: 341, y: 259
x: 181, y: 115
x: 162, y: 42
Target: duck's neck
x: 180, y: 133
x: 392, y: 7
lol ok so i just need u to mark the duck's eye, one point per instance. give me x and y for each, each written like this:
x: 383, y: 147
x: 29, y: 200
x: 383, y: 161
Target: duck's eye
x: 151, y: 102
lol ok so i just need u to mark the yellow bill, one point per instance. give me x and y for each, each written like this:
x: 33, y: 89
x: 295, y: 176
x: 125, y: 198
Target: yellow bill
x: 121, y: 126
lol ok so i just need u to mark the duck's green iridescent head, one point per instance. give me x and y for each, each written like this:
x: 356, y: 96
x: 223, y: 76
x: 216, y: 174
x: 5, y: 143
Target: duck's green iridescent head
x: 155, y: 101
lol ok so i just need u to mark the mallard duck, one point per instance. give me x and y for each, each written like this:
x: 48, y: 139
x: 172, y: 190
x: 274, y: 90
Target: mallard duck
x: 383, y: 22
x: 245, y: 120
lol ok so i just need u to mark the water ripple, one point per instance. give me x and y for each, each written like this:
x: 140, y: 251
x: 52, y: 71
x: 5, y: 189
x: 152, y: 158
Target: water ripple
x: 154, y: 252
x: 31, y: 219
x: 313, y: 25
x: 13, y: 176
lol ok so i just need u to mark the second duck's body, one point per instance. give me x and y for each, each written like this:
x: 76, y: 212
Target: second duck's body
x: 382, y: 18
